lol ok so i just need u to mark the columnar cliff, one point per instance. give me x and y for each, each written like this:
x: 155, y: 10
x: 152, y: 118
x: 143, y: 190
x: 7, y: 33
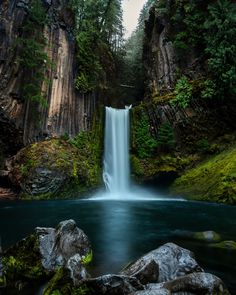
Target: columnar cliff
x: 67, y: 111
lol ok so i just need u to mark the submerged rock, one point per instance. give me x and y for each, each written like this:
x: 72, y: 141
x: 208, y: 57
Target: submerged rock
x: 172, y: 261
x: 230, y: 245
x: 207, y: 236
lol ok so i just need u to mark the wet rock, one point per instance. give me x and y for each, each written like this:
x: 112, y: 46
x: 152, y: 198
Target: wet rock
x: 114, y: 285
x: 172, y: 260
x: 58, y: 245
x: 48, y: 251
x: 146, y: 271
x: 77, y: 270
x: 160, y: 291
x: 195, y: 283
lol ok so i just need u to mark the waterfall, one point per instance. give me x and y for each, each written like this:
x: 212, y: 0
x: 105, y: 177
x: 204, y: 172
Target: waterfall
x: 116, y: 170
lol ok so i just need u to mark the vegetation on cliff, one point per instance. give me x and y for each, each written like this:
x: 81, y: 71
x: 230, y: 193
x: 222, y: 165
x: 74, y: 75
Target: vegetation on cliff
x: 212, y: 180
x: 206, y: 30
x: 30, y: 49
x: 98, y: 31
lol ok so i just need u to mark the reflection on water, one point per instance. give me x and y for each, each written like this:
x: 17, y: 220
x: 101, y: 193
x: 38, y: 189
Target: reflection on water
x: 121, y: 231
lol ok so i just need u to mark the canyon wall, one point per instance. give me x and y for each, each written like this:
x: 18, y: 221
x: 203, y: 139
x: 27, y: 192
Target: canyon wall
x: 67, y: 111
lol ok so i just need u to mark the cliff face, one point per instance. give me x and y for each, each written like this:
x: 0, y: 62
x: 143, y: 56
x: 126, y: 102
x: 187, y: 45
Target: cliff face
x: 161, y: 61
x: 67, y: 110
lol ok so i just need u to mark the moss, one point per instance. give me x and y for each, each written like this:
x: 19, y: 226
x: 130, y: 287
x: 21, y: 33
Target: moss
x: 79, y: 166
x: 88, y: 258
x: 230, y: 245
x: 61, y: 284
x: 208, y: 236
x: 3, y: 281
x: 144, y: 169
x: 212, y: 180
x: 22, y: 262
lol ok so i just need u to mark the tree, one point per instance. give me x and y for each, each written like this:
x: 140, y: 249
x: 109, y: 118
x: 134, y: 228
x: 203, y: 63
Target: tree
x: 220, y: 39
x: 99, y: 34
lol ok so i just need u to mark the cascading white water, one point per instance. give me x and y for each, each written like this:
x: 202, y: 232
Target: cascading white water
x: 116, y: 170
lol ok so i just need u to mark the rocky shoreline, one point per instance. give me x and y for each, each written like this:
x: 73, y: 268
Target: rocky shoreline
x: 60, y: 256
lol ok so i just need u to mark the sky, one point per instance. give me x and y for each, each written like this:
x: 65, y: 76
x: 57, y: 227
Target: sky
x: 131, y: 10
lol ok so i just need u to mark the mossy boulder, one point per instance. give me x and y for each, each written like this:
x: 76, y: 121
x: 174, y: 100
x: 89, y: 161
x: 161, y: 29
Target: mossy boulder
x: 54, y: 169
x: 48, y: 253
x: 213, y: 180
x: 22, y: 263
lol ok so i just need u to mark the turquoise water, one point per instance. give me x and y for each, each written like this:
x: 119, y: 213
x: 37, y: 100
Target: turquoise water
x: 121, y: 231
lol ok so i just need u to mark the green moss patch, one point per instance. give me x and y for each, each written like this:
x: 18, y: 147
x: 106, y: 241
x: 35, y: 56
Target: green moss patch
x: 22, y: 262
x: 150, y: 168
x: 78, y: 167
x: 230, y: 245
x: 61, y: 284
x: 214, y: 180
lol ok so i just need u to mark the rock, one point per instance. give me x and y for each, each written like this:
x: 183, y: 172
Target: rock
x: 77, y: 270
x: 207, y: 236
x: 195, y: 283
x: 114, y: 285
x: 66, y: 106
x: 64, y: 249
x: 58, y: 245
x: 146, y: 271
x: 53, y: 169
x: 172, y: 260
x: 230, y: 245
x: 158, y: 290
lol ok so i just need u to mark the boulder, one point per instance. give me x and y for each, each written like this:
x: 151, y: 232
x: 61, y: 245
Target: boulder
x: 195, y: 283
x: 114, y: 285
x: 58, y: 245
x: 146, y: 271
x: 54, y: 169
x: 172, y: 261
x: 46, y: 251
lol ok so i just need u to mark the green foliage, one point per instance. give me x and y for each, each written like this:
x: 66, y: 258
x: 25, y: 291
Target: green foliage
x: 32, y: 56
x: 165, y: 137
x: 61, y: 284
x: 145, y: 143
x: 87, y: 259
x: 183, y: 92
x: 180, y: 43
x: 209, y: 89
x: 220, y: 36
x: 206, y: 29
x: 23, y: 262
x: 203, y: 145
x: 99, y: 36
